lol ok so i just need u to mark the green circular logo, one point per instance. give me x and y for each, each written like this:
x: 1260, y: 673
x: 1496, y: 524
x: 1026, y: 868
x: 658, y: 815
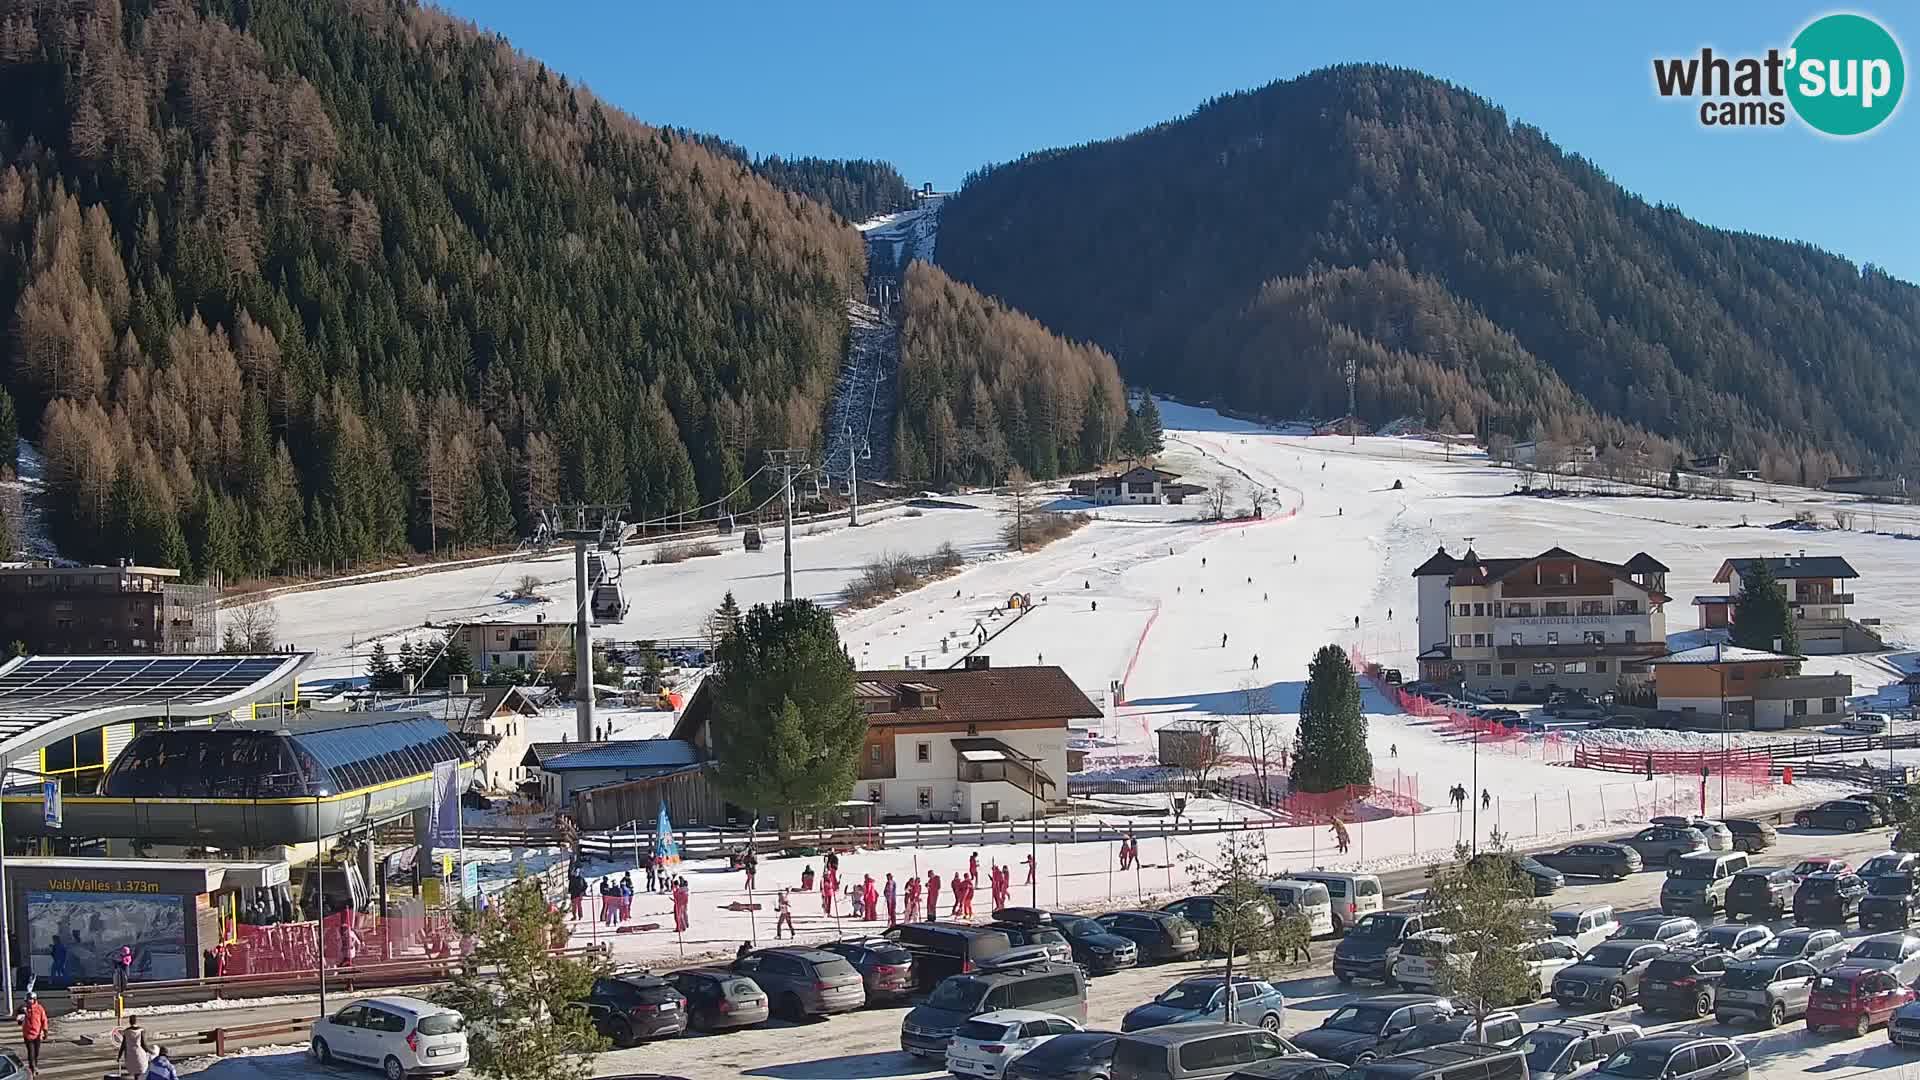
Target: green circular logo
x: 1847, y: 74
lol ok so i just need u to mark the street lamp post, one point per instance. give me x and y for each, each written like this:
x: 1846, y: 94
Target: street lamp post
x: 320, y: 901
x: 1474, y: 796
x: 1726, y: 722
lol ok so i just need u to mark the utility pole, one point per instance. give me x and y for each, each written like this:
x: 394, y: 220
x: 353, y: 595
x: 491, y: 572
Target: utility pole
x: 601, y: 526
x: 791, y: 463
x: 853, y: 487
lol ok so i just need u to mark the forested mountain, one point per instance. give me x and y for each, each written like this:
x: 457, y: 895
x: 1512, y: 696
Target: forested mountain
x: 1479, y: 276
x: 294, y: 284
x: 982, y: 387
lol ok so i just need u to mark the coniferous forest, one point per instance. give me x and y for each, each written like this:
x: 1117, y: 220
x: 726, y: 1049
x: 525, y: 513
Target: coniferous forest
x: 1481, y: 278
x: 294, y: 285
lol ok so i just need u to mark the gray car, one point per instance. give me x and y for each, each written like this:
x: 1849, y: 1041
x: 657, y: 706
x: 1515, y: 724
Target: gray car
x: 1199, y: 1051
x: 1204, y: 997
x: 1896, y: 952
x: 1738, y: 940
x: 1608, y: 976
x: 1821, y: 948
x: 1767, y: 989
x: 804, y: 982
x: 1663, y: 845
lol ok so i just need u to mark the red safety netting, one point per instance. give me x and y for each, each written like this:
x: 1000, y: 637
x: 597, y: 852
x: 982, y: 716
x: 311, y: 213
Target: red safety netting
x: 291, y: 946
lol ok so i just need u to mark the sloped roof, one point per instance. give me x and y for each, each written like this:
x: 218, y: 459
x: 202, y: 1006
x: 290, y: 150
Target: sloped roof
x: 1473, y: 570
x: 1643, y: 563
x: 1798, y: 566
x: 539, y: 753
x: 1721, y: 654
x: 625, y: 754
x: 1437, y: 564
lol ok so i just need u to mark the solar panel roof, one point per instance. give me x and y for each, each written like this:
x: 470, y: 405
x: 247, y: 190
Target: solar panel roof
x: 43, y: 698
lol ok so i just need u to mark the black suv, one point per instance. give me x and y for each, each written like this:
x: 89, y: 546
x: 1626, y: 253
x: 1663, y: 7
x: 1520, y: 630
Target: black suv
x: 1094, y: 947
x: 629, y: 1008
x: 1160, y: 935
x: 943, y: 949
x: 1761, y: 892
x: 1890, y: 901
x: 1684, y: 982
x: 1558, y: 1048
x: 1828, y: 899
x: 1849, y: 814
x: 1751, y: 836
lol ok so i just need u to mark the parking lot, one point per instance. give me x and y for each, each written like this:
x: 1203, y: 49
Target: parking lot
x: 865, y: 1044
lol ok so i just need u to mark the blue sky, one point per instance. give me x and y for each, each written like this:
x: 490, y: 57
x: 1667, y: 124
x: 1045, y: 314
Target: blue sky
x: 940, y: 89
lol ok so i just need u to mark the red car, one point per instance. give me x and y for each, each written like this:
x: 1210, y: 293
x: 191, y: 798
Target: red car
x: 1820, y: 864
x: 1856, y: 998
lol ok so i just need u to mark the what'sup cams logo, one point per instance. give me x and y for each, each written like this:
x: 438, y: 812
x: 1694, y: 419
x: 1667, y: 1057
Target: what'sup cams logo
x: 1842, y: 76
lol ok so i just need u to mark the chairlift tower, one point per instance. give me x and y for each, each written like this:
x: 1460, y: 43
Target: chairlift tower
x: 854, y: 456
x: 591, y: 526
x: 789, y: 464
x: 1351, y: 420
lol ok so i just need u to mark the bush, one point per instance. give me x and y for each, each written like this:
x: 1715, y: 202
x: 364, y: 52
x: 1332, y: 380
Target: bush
x: 677, y: 553
x: 1043, y: 527
x: 890, y: 575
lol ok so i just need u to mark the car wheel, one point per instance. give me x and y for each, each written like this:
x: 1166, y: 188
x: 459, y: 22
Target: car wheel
x: 393, y: 1068
x: 1852, y: 824
x: 1363, y: 1058
x: 1803, y: 820
x: 1616, y: 996
x: 790, y: 1008
x: 1408, y: 988
x: 1777, y: 1015
x: 622, y: 1034
x: 1862, y: 1025
x: 320, y: 1052
x: 1346, y: 979
x: 1533, y: 992
x: 1703, y: 1003
x: 1271, y: 1023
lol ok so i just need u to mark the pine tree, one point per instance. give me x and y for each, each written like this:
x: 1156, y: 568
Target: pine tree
x: 724, y: 621
x: 1762, y: 617
x: 9, y: 434
x: 381, y: 674
x: 1486, y: 902
x: 1330, y: 749
x: 1144, y: 425
x: 787, y: 730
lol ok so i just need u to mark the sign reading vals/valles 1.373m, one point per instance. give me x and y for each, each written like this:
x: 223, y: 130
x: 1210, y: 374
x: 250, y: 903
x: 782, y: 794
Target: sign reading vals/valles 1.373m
x: 1842, y: 75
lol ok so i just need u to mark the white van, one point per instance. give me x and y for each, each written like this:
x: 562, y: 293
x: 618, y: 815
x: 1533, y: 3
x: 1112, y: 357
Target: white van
x: 1870, y: 723
x: 1421, y: 956
x: 1309, y: 898
x: 1354, y: 896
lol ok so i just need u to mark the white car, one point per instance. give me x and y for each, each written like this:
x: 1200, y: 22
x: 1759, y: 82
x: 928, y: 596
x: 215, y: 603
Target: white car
x: 1422, y: 955
x: 1545, y: 959
x: 400, y: 1036
x: 1743, y: 940
x: 985, y: 1045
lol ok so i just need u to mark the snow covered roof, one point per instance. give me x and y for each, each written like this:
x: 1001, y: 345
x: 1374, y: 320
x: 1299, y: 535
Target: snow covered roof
x: 1701, y: 601
x: 1721, y: 654
x: 1792, y: 566
x: 627, y: 754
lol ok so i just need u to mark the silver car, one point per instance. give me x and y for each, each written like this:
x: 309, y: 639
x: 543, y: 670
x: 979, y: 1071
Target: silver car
x: 1896, y: 952
x: 1740, y: 940
x: 1769, y: 990
x: 1663, y: 845
x: 1719, y: 837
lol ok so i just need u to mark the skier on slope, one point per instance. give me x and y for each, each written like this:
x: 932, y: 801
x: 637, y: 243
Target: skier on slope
x: 1223, y: 641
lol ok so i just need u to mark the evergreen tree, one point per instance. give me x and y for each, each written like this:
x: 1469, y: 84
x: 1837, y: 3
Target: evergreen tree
x: 9, y: 434
x: 6, y: 535
x: 1148, y: 438
x: 523, y: 1014
x: 787, y: 730
x: 1486, y: 902
x: 381, y: 674
x: 1244, y: 920
x: 1762, y: 617
x: 1330, y: 748
x: 723, y: 622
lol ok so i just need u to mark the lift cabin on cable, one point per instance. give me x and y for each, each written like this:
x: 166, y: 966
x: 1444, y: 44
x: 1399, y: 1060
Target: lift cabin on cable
x: 607, y: 598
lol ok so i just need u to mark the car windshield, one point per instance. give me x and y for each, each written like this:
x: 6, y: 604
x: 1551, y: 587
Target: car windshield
x: 1891, y: 885
x: 1368, y: 1019
x: 1638, y: 1062
x: 1876, y: 950
x: 1544, y: 1047
x: 1725, y: 936
x: 1788, y: 944
x: 1065, y: 1051
x: 1819, y: 888
x: 1836, y: 984
x: 1077, y: 926
x: 981, y: 1031
x: 1567, y: 925
x: 445, y: 1023
x: 1745, y: 978
x: 1425, y: 947
x: 1188, y: 995
x: 1612, y: 956
x: 1638, y: 931
x: 1693, y: 870
x: 1378, y: 926
x: 957, y: 995
x: 1880, y: 864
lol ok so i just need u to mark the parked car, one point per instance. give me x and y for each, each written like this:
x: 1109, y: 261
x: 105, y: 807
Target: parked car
x: 1159, y: 935
x: 1584, y: 925
x: 1663, y: 845
x: 1197, y: 1051
x: 1896, y: 952
x: 1882, y: 803
x: 1819, y: 947
x: 1352, y: 896
x: 1677, y: 1057
x: 1766, y: 989
x: 1204, y: 911
x: 1371, y: 948
x: 1574, y: 706
x: 1543, y: 880
x: 401, y: 1036
x: 1595, y: 859
x: 1868, y: 723
x: 1673, y: 931
x: 1699, y: 882
x: 1567, y: 1048
x: 1761, y: 892
x: 1094, y: 947
x: 804, y: 982
x: 1546, y: 959
x: 1056, y: 989
x: 1904, y: 1029
x: 1890, y: 862
x: 1608, y: 976
x: 1353, y: 1033
x: 629, y: 1009
x: 1818, y: 864
x: 1719, y: 837
x: 1858, y: 999
x: 1828, y: 899
x: 943, y: 949
x: 1683, y: 982
x: 718, y: 999
x: 1845, y: 814
x: 1204, y: 997
x: 1752, y: 836
x: 1082, y: 1055
x: 885, y: 965
x: 1499, y: 1027
x: 1309, y: 898
x: 1890, y: 902
x: 1290, y: 1068
x: 1035, y: 935
x: 1422, y: 958
x: 1737, y: 940
x: 1448, y: 1061
x: 986, y: 1044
